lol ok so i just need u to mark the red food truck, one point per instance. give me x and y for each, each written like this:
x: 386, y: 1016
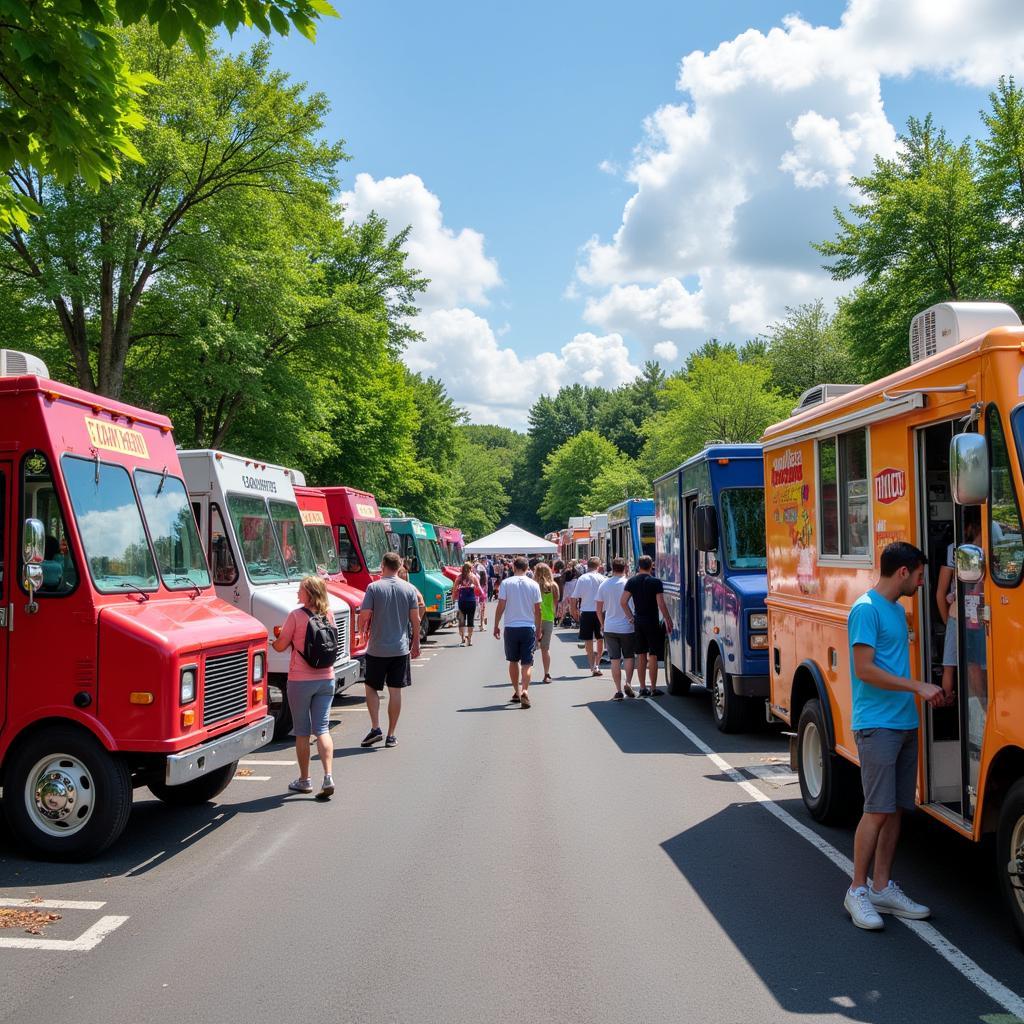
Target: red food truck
x: 360, y: 533
x: 452, y: 545
x: 119, y: 666
x: 316, y: 518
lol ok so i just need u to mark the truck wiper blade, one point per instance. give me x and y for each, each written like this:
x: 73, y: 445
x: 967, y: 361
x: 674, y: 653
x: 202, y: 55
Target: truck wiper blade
x: 138, y: 590
x: 191, y: 582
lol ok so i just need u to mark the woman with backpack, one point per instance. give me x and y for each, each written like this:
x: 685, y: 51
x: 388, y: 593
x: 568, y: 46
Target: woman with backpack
x: 307, y: 631
x: 467, y: 593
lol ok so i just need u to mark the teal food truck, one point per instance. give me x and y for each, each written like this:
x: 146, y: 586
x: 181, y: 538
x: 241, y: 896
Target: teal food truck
x: 415, y: 542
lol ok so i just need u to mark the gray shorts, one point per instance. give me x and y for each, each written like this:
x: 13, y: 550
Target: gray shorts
x: 310, y: 702
x: 546, y: 629
x: 888, y: 768
x: 619, y: 645
x: 949, y: 645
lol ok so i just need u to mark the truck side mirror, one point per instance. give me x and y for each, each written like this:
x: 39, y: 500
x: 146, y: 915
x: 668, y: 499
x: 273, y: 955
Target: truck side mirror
x: 414, y: 566
x: 32, y: 580
x: 970, y: 564
x: 705, y: 528
x: 968, y: 469
x: 33, y: 542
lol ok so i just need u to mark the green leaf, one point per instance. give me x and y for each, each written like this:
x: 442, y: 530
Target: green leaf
x: 324, y: 8
x: 169, y: 28
x: 279, y: 21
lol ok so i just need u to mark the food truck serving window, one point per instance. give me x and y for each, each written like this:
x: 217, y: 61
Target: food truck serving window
x: 1006, y: 554
x: 374, y: 541
x: 743, y: 527
x: 844, y: 509
x: 172, y: 528
x: 39, y: 501
x: 110, y: 525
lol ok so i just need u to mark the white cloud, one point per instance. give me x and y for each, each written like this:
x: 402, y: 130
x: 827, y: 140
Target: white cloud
x: 733, y: 183
x: 667, y: 351
x: 460, y: 272
x: 497, y: 385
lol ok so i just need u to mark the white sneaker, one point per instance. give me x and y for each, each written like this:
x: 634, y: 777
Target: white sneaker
x: 859, y: 906
x: 893, y: 900
x: 301, y: 786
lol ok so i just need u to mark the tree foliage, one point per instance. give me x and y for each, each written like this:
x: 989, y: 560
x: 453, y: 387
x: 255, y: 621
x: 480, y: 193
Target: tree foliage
x: 570, y: 472
x: 619, y: 479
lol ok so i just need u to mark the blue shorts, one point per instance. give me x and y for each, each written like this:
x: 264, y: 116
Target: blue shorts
x: 520, y: 642
x: 310, y: 702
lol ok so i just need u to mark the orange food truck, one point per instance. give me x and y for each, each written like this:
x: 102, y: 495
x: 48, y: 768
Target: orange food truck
x: 924, y: 455
x: 119, y: 665
x: 316, y: 519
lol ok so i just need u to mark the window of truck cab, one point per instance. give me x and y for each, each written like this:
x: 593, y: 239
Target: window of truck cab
x: 40, y: 501
x: 743, y: 536
x: 1006, y: 547
x: 172, y: 530
x: 844, y: 497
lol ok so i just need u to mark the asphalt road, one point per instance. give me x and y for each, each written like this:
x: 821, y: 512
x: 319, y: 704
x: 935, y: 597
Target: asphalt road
x: 579, y: 861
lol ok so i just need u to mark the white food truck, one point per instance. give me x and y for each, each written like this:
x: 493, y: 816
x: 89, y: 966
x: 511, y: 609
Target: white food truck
x: 259, y: 552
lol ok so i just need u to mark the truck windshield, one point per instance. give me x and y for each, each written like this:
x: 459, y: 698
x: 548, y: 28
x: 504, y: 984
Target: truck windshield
x: 431, y: 554
x: 647, y: 537
x: 374, y: 542
x: 743, y: 527
x: 291, y: 535
x: 255, y: 535
x: 172, y: 528
x: 325, y: 554
x: 110, y: 525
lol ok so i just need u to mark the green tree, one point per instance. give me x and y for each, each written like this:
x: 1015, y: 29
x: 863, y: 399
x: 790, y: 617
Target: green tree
x: 70, y: 91
x: 217, y: 129
x: 569, y: 474
x: 720, y: 399
x: 619, y: 479
x: 620, y: 415
x: 920, y: 234
x: 806, y: 348
x: 480, y: 498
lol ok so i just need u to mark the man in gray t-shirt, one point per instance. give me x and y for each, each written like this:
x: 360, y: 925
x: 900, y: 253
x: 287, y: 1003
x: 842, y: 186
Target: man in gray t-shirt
x: 390, y: 606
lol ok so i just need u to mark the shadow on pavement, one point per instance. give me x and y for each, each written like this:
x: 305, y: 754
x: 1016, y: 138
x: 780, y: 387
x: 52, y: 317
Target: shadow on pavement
x: 489, y: 707
x: 783, y: 912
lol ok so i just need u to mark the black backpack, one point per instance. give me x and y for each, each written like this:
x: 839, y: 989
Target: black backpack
x: 321, y: 646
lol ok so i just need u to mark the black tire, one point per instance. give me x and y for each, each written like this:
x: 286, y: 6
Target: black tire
x: 1010, y: 854
x: 676, y: 681
x: 278, y: 708
x: 424, y: 628
x: 198, y: 791
x: 829, y: 785
x: 433, y: 625
x: 97, y: 784
x: 731, y: 712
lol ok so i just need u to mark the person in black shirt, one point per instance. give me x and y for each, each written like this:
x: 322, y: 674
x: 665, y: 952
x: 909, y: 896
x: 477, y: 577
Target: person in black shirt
x: 649, y: 633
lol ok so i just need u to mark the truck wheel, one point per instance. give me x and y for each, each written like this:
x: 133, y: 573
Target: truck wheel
x: 424, y: 628
x: 826, y: 780
x: 433, y: 625
x: 65, y: 797
x: 678, y: 682
x: 731, y: 712
x: 277, y: 704
x: 1010, y: 853
x: 198, y: 791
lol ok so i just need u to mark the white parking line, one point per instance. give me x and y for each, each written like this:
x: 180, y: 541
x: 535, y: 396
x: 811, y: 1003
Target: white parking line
x: 927, y: 933
x: 89, y: 939
x: 251, y: 778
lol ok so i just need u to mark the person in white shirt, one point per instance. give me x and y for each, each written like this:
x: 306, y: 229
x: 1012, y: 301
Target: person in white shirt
x: 521, y: 598
x: 585, y: 602
x: 617, y: 627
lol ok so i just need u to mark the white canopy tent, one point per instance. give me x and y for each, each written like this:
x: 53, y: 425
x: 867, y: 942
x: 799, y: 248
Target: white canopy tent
x: 511, y: 540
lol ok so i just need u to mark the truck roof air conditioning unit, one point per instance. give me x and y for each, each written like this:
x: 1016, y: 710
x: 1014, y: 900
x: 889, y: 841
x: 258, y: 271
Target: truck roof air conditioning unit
x: 21, y: 364
x: 822, y: 393
x: 946, y: 324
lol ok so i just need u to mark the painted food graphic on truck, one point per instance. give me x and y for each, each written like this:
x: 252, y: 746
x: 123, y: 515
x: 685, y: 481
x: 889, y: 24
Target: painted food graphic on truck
x: 791, y: 495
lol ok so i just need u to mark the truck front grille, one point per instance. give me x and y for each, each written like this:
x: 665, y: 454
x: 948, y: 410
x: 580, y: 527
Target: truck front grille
x: 341, y: 621
x: 449, y: 602
x: 225, y: 686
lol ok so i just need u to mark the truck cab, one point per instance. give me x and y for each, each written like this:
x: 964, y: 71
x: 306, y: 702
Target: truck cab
x: 631, y: 530
x: 360, y: 532
x: 413, y: 541
x: 259, y: 553
x: 710, y: 556
x: 453, y: 547
x: 316, y: 519
x: 120, y: 666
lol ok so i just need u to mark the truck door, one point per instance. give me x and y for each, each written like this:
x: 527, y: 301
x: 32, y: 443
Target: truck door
x: 692, y: 584
x: 8, y: 566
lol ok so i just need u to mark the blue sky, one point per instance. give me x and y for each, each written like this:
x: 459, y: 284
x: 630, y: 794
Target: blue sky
x: 487, y: 127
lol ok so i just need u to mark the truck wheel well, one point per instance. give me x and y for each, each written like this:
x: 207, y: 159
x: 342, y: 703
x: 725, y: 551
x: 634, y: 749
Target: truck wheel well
x: 713, y: 654
x: 41, y: 726
x: 806, y: 687
x: 1006, y: 768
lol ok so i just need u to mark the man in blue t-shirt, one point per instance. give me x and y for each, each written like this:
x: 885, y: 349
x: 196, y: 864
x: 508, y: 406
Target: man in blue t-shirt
x: 885, y: 722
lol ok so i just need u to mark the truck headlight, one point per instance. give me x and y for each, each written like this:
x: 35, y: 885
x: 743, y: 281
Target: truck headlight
x: 758, y: 620
x: 187, y: 685
x: 259, y: 664
x: 759, y: 641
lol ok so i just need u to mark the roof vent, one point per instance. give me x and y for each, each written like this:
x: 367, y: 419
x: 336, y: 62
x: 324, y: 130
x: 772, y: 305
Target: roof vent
x: 822, y: 393
x: 946, y: 324
x: 21, y: 364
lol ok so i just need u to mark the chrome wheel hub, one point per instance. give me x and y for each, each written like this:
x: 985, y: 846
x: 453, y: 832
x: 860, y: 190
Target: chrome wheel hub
x: 718, y: 694
x: 1015, y: 867
x: 59, y: 794
x: 811, y: 761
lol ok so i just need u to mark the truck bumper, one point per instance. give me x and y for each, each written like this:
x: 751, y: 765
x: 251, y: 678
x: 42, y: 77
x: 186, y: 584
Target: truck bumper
x: 443, y: 618
x: 750, y: 686
x: 349, y: 673
x: 207, y: 757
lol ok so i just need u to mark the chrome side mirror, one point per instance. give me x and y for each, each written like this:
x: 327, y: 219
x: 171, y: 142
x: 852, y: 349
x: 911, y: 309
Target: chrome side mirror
x: 32, y: 580
x: 33, y: 542
x: 968, y: 469
x: 970, y: 564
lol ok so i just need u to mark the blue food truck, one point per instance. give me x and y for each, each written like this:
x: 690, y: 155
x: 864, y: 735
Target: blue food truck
x: 710, y: 555
x: 631, y: 530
